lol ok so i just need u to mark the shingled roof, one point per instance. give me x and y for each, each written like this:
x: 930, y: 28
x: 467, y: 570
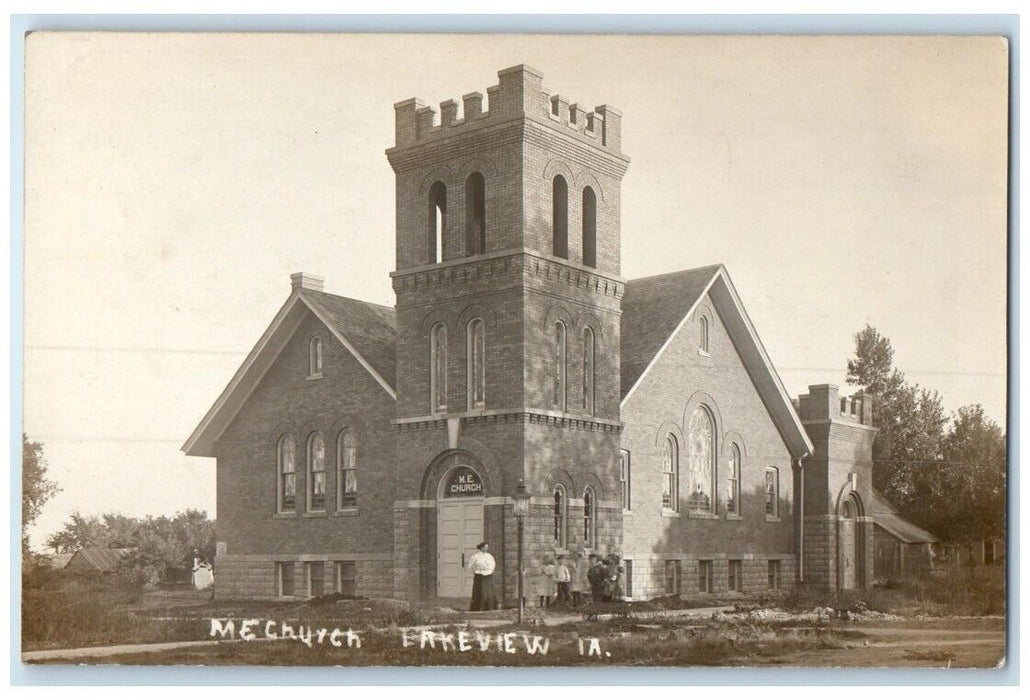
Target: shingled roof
x: 97, y: 559
x: 370, y: 328
x: 655, y: 308
x: 367, y: 330
x: 886, y: 516
x: 652, y: 309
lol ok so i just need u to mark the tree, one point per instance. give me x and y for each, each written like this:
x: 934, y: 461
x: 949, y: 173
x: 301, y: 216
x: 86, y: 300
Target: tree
x: 36, y: 489
x: 910, y: 419
x: 197, y: 532
x: 974, y: 454
x: 873, y: 364
x: 79, y: 531
x: 952, y: 482
x: 157, y: 543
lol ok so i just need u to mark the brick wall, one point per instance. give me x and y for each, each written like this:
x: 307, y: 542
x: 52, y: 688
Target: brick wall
x: 256, y: 576
x: 649, y: 573
x: 287, y: 402
x: 679, y: 381
x: 518, y: 288
x: 843, y: 443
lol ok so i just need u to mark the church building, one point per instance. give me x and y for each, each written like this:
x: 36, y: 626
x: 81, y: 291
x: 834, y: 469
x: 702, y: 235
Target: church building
x: 367, y: 449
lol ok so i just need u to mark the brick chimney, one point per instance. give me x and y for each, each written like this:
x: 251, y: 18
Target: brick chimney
x: 305, y: 280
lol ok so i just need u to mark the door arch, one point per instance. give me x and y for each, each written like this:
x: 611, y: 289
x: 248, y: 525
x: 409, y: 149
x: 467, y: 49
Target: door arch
x: 459, y: 528
x: 848, y: 559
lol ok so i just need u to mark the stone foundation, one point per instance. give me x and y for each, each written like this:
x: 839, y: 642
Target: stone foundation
x: 254, y: 576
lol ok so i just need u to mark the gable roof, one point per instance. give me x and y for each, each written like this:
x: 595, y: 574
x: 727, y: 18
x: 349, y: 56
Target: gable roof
x: 97, y: 559
x: 367, y: 330
x: 886, y: 516
x: 370, y: 328
x: 58, y: 560
x: 654, y: 309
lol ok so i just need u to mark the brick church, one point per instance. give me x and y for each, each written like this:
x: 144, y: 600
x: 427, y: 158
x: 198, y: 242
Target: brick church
x: 367, y: 449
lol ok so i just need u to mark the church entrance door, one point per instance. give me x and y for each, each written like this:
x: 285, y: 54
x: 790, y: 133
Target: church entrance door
x: 847, y: 547
x: 459, y: 529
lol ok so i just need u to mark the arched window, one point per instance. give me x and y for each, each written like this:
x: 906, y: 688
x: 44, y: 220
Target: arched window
x: 316, y: 472
x: 558, y: 400
x: 437, y: 221
x: 438, y: 368
x: 589, y: 518
x: 475, y: 214
x: 560, y: 504
x: 560, y: 217
x: 476, y: 353
x: 589, y: 227
x: 702, y: 334
x: 346, y: 471
x: 315, y: 357
x: 286, y: 474
x: 701, y: 449
x: 670, y: 473
x: 733, y: 485
x: 772, y: 492
x: 588, y: 371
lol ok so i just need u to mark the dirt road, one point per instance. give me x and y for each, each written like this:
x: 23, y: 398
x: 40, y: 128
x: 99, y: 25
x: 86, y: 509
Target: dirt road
x: 944, y: 643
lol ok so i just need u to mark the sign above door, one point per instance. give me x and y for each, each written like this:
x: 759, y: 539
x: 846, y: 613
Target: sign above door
x: 461, y: 483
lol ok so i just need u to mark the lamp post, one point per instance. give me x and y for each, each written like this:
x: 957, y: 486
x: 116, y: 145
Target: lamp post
x: 520, y: 506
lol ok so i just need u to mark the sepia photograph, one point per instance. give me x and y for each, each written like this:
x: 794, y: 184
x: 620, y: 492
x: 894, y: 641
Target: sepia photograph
x: 515, y: 350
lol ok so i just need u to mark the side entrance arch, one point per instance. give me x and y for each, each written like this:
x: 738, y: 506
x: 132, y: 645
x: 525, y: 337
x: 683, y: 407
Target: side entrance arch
x: 851, y: 544
x: 459, y: 527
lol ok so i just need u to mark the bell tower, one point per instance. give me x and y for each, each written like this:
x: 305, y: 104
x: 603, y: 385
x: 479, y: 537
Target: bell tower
x: 508, y: 303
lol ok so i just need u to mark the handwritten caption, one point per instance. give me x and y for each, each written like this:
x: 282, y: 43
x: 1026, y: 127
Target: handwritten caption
x: 250, y: 630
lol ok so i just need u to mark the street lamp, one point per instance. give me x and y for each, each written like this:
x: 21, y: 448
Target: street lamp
x: 520, y: 506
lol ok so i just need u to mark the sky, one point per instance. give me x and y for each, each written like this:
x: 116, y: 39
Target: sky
x: 173, y: 182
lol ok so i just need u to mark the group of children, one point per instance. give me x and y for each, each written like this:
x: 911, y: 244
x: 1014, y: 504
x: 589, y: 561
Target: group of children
x: 573, y: 581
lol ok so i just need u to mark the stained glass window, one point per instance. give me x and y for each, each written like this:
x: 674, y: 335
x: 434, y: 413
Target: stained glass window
x: 287, y: 474
x: 701, y: 461
x: 316, y: 472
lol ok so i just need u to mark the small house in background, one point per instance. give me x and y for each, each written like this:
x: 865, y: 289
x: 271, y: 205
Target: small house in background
x: 57, y: 561
x: 97, y: 559
x: 901, y: 548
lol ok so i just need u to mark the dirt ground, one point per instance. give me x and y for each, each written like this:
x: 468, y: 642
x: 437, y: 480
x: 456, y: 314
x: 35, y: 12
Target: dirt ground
x: 911, y: 643
x: 944, y: 643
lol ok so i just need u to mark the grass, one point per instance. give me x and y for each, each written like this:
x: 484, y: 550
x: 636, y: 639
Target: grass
x: 967, y: 591
x: 62, y: 611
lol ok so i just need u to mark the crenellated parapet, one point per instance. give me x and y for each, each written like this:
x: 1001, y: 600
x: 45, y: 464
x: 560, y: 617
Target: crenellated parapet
x: 822, y: 402
x: 519, y: 93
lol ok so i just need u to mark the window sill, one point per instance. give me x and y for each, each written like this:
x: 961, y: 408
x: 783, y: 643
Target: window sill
x: 703, y: 516
x: 772, y: 519
x: 314, y: 514
x: 734, y: 516
x: 285, y: 515
x: 703, y: 353
x: 346, y: 511
x: 669, y: 513
x: 312, y: 377
x: 627, y: 511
